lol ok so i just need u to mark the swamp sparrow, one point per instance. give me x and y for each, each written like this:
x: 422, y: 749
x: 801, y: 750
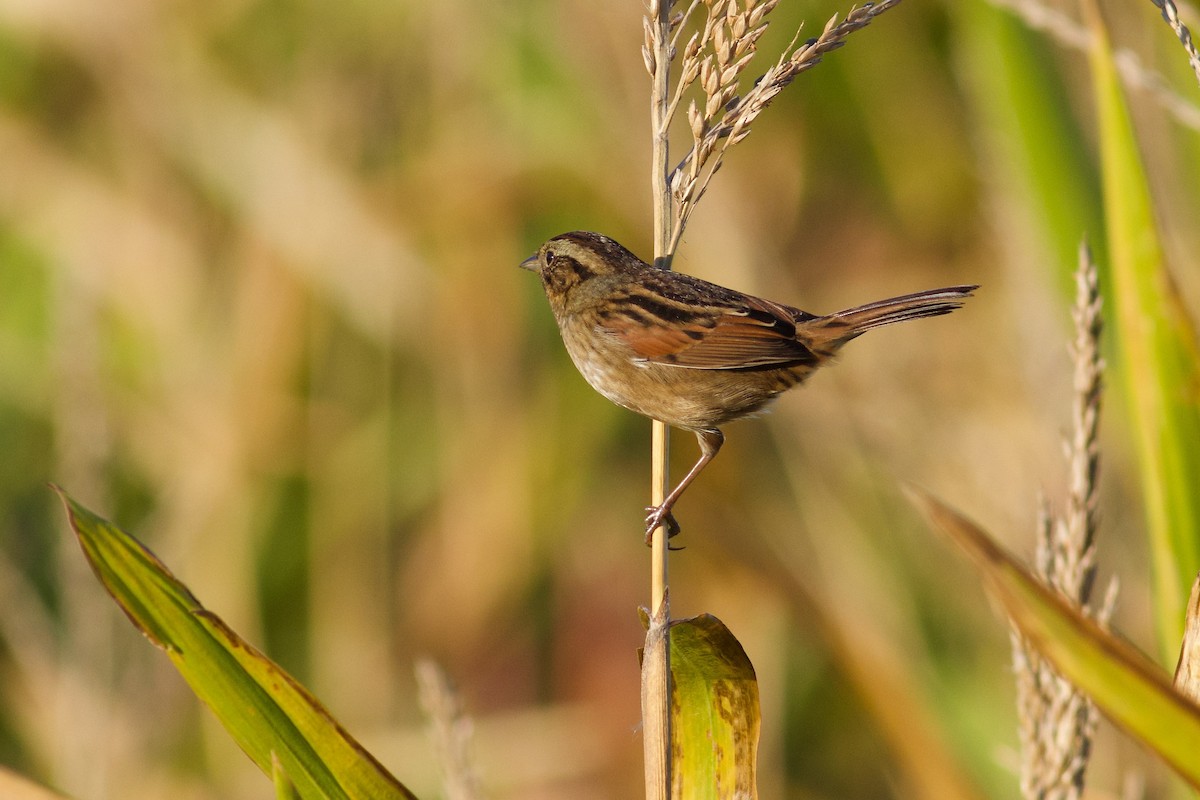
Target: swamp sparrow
x: 690, y: 353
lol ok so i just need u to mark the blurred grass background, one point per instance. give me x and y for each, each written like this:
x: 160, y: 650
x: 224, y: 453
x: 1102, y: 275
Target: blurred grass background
x: 259, y: 305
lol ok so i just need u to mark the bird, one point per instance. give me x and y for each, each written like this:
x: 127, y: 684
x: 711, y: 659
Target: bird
x: 689, y: 353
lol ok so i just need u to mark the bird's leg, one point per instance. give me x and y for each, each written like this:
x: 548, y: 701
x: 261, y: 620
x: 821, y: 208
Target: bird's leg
x: 710, y: 442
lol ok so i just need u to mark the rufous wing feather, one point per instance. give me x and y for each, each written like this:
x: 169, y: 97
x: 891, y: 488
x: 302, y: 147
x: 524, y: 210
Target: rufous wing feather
x: 758, y: 333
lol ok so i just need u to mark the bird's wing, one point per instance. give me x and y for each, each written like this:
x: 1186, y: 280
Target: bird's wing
x: 749, y: 333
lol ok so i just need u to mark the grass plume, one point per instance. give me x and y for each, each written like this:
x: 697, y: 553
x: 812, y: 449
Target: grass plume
x: 1057, y: 722
x: 451, y: 730
x: 715, y: 58
x: 1170, y: 13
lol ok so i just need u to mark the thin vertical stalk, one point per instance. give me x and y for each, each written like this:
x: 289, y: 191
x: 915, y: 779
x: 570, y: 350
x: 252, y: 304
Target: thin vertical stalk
x: 660, y: 99
x: 659, y: 482
x: 656, y: 672
x: 713, y: 60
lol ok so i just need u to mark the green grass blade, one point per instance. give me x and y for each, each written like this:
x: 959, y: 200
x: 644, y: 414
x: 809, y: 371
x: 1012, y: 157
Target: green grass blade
x: 1042, y: 179
x: 265, y: 710
x: 1133, y: 691
x: 715, y: 714
x: 1158, y: 360
x: 284, y: 788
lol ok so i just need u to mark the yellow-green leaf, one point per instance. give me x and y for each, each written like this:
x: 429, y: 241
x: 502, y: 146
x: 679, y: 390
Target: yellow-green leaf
x: 715, y: 713
x: 266, y: 711
x: 1159, y: 364
x: 1041, y: 178
x: 284, y: 788
x: 1133, y: 691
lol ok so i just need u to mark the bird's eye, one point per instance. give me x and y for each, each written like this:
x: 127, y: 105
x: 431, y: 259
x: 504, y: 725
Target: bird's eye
x: 550, y: 256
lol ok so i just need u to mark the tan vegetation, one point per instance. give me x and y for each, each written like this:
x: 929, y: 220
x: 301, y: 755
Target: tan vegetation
x: 259, y: 304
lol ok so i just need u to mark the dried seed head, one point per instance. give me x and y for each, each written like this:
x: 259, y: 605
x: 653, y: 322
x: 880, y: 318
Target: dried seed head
x: 719, y: 40
x: 733, y: 70
x: 691, y: 69
x: 738, y: 28
x: 752, y: 37
x: 709, y: 78
x: 760, y: 11
x: 695, y: 120
x: 712, y: 105
x: 716, y: 56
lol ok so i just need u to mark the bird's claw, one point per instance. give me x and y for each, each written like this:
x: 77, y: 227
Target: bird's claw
x: 657, y: 517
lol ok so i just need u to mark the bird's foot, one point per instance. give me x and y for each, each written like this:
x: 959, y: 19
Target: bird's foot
x: 656, y: 517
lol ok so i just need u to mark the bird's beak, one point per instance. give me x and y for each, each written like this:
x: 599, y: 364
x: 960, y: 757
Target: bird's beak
x: 530, y: 263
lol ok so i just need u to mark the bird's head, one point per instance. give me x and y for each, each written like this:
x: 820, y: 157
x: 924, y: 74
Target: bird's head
x: 579, y: 258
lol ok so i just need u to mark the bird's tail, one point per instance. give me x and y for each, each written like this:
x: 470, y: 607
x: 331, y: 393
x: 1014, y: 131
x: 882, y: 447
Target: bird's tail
x: 846, y: 325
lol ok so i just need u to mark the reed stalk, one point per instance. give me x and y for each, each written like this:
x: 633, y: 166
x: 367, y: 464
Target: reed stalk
x: 656, y: 679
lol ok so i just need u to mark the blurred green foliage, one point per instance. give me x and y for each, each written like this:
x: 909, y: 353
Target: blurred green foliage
x: 259, y: 303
